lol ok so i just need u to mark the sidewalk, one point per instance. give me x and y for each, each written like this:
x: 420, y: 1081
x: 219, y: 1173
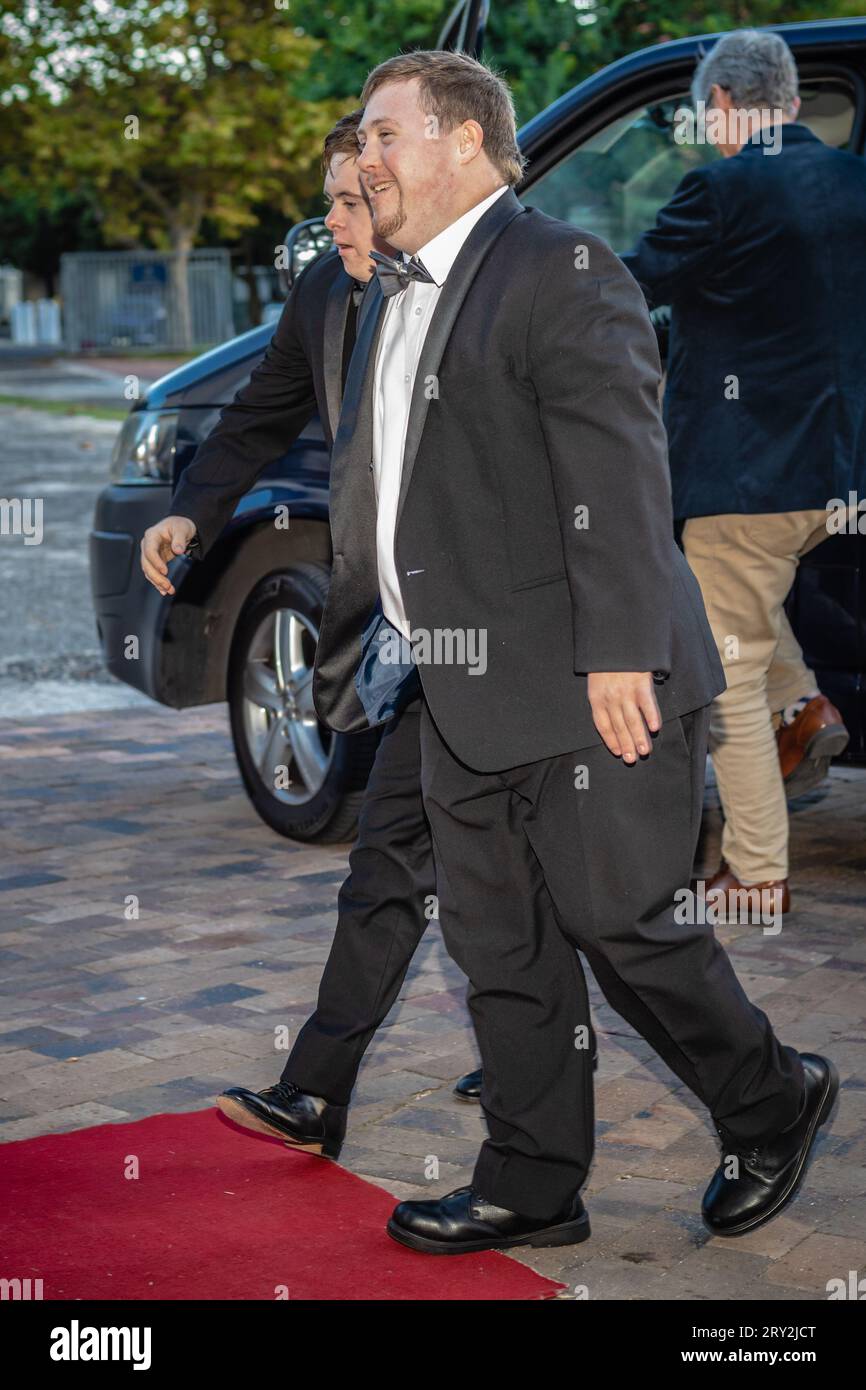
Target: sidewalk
x: 81, y: 381
x: 104, y: 1018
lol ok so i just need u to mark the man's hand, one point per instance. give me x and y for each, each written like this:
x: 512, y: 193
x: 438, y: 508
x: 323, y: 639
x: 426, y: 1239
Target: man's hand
x: 161, y: 543
x: 624, y: 711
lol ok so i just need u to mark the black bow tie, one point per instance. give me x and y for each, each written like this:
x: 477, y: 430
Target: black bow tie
x: 394, y: 276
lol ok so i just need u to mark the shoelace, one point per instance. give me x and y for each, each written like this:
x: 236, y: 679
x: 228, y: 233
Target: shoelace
x: 730, y: 1147
x: 732, y: 1150
x: 284, y: 1090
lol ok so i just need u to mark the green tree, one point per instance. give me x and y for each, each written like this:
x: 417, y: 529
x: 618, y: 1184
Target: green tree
x: 34, y: 234
x: 161, y: 121
x: 169, y: 114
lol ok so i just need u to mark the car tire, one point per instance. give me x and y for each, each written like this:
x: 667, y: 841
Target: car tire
x: 305, y: 781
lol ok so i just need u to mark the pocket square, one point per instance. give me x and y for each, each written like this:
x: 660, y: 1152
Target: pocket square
x: 387, y: 676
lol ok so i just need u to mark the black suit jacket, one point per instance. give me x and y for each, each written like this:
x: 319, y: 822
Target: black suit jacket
x: 536, y: 394
x: 763, y: 260
x: 301, y: 370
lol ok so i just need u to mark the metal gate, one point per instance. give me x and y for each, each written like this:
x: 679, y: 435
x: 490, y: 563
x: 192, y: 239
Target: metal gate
x: 137, y: 299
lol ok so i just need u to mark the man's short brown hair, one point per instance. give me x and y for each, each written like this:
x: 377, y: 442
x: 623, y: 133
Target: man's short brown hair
x: 342, y: 139
x: 454, y: 87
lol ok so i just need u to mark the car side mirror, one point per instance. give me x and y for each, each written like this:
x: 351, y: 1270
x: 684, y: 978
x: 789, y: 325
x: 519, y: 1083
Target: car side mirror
x: 304, y: 243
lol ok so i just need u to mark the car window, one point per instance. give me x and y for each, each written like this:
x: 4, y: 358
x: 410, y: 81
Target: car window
x: 828, y: 108
x: 615, y: 182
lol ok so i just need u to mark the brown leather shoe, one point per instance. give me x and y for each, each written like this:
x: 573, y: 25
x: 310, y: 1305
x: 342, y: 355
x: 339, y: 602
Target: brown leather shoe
x: 736, y: 902
x: 807, y: 744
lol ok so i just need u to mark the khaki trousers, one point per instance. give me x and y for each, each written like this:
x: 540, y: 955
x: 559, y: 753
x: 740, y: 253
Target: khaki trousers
x: 745, y: 565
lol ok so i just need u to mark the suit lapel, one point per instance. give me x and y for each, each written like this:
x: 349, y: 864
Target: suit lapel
x: 454, y: 291
x: 352, y: 492
x: 368, y: 299
x: 336, y: 312
x: 352, y: 513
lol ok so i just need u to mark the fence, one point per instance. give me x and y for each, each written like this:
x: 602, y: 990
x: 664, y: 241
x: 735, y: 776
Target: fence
x: 35, y: 321
x: 134, y: 299
x: 11, y: 287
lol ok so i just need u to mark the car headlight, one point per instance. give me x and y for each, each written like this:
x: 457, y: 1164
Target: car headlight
x: 144, y: 450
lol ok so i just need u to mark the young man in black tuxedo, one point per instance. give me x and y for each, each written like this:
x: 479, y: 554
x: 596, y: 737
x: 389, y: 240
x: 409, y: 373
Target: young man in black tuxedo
x: 499, y: 482
x: 382, y: 903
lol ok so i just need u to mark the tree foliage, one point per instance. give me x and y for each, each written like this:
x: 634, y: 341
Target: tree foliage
x: 151, y: 123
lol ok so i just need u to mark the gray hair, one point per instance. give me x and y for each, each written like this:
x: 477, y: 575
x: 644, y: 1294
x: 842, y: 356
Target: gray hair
x: 755, y: 66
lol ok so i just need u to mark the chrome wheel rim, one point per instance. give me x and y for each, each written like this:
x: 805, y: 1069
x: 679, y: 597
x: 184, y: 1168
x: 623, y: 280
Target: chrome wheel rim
x: 280, y: 723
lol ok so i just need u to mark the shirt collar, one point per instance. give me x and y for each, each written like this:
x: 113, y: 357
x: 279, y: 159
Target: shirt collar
x: 440, y: 253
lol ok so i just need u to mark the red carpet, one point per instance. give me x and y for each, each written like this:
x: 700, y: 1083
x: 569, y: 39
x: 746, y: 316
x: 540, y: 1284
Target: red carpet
x: 215, y: 1214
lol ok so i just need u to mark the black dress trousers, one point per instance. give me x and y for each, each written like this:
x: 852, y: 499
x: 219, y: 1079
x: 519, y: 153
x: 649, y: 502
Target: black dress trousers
x: 383, y: 909
x: 583, y: 850
x: 381, y: 919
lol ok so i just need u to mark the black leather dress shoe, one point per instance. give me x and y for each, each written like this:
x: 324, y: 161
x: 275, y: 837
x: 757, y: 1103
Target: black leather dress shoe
x: 469, y: 1086
x: 464, y: 1222
x: 769, y: 1175
x: 302, y: 1121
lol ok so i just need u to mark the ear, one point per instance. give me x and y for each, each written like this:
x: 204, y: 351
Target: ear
x: 470, y: 140
x: 720, y: 98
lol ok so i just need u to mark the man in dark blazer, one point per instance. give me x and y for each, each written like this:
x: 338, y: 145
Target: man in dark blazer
x: 499, y: 481
x: 382, y: 904
x: 762, y: 257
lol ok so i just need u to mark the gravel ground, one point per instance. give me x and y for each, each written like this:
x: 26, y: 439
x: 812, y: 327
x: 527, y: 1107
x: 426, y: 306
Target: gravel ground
x: 81, y: 381
x: 50, y: 660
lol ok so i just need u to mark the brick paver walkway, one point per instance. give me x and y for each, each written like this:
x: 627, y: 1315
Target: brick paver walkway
x: 155, y: 936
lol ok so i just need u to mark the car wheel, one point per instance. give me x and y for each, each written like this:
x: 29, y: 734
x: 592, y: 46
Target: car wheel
x: 304, y: 780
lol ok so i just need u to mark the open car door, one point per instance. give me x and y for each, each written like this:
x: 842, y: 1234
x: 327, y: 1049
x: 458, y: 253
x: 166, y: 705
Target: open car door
x: 463, y: 31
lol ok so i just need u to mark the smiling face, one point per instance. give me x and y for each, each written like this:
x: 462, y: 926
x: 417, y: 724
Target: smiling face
x: 418, y: 178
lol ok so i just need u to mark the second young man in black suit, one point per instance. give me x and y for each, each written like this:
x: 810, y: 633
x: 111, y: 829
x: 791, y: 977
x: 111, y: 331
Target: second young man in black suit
x: 382, y: 903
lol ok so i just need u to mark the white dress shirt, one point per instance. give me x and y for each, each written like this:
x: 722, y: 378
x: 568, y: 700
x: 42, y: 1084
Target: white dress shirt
x: 404, y: 327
